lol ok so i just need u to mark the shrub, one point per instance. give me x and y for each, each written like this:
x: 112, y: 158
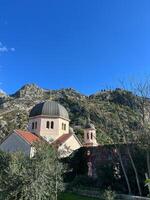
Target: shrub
x: 83, y: 181
x: 109, y: 195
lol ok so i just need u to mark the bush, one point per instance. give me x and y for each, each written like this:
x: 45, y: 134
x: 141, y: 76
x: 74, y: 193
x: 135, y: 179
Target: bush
x: 109, y: 195
x: 82, y: 180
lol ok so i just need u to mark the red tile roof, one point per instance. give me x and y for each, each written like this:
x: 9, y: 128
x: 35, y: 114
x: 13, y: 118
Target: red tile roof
x: 28, y: 136
x: 88, y: 144
x: 62, y: 139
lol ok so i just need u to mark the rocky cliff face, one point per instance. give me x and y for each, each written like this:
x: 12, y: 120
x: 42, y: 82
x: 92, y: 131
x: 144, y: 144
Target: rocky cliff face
x: 100, y: 107
x: 29, y: 91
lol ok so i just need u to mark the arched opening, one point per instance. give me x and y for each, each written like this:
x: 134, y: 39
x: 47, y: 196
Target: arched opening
x: 47, y: 124
x: 87, y: 136
x: 64, y: 126
x: 35, y: 125
x: 52, y: 125
x: 32, y: 125
x: 91, y: 136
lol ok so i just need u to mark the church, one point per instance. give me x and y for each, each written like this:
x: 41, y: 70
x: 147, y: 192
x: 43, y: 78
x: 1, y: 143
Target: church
x: 48, y: 121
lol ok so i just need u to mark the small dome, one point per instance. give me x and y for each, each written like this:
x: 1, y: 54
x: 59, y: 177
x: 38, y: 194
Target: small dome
x: 89, y: 125
x: 49, y: 109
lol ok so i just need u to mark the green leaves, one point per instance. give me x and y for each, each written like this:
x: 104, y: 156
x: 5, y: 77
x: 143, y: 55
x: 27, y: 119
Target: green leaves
x: 147, y: 182
x: 38, y: 178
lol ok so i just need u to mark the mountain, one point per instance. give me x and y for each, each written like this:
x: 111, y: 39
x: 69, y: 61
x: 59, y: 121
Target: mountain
x: 100, y: 107
x: 2, y: 93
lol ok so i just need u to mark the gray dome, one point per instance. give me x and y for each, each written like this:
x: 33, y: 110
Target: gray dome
x: 89, y: 126
x: 49, y: 109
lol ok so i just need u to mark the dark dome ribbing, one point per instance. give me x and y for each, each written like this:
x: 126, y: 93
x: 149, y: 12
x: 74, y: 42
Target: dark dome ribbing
x: 49, y: 109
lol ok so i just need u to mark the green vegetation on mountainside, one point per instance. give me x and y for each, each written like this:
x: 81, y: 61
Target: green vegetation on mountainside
x: 100, y: 107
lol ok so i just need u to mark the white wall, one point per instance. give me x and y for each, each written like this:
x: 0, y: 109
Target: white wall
x: 69, y: 146
x: 54, y: 133
x: 14, y: 143
x: 33, y: 120
x: 93, y: 140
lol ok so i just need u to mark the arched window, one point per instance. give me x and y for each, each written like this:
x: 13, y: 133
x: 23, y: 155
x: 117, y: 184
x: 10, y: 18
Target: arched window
x: 91, y: 136
x: 88, y: 136
x: 47, y: 124
x: 35, y: 125
x: 52, y: 125
x: 32, y: 125
x: 64, y: 126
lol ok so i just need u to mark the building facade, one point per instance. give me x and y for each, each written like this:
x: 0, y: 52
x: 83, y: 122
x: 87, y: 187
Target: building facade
x: 48, y: 121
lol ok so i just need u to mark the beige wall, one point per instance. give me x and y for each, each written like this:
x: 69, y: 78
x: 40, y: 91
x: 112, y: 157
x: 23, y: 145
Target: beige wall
x: 69, y: 146
x: 38, y: 120
x: 89, y: 132
x: 49, y: 134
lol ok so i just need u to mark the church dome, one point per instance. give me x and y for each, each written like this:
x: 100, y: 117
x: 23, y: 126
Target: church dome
x: 89, y: 125
x: 49, y: 109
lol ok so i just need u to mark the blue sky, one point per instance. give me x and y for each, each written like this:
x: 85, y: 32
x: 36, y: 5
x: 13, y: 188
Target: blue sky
x: 85, y: 44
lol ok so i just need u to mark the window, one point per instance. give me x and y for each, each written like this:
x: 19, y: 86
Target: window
x: 35, y: 125
x: 47, y: 124
x: 52, y: 125
x: 32, y: 125
x: 64, y: 126
x: 91, y: 136
x: 88, y: 136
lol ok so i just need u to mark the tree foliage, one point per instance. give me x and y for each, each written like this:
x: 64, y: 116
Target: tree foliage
x: 38, y: 178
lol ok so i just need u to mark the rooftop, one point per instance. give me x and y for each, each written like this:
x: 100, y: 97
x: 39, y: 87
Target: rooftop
x: 62, y: 139
x: 50, y: 109
x: 28, y: 136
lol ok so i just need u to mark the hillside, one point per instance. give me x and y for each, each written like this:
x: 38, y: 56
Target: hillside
x: 100, y: 107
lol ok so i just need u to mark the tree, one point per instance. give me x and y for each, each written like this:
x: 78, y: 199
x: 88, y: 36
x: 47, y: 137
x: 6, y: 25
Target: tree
x: 143, y: 90
x: 38, y: 178
x: 141, y: 136
x: 114, y: 128
x: 128, y: 139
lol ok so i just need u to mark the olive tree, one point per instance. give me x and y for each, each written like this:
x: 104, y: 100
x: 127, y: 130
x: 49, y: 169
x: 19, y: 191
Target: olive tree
x: 38, y: 178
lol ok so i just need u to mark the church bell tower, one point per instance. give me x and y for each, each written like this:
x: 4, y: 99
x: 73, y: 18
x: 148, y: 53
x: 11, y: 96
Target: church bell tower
x: 90, y: 134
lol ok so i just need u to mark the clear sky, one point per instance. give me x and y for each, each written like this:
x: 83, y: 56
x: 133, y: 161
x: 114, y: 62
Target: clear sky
x: 84, y: 44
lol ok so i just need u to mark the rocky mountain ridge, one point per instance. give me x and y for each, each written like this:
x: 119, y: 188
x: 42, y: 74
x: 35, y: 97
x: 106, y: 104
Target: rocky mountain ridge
x: 100, y: 107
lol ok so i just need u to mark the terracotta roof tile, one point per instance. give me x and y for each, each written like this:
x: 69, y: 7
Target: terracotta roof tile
x: 88, y: 144
x: 28, y: 136
x: 62, y: 139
